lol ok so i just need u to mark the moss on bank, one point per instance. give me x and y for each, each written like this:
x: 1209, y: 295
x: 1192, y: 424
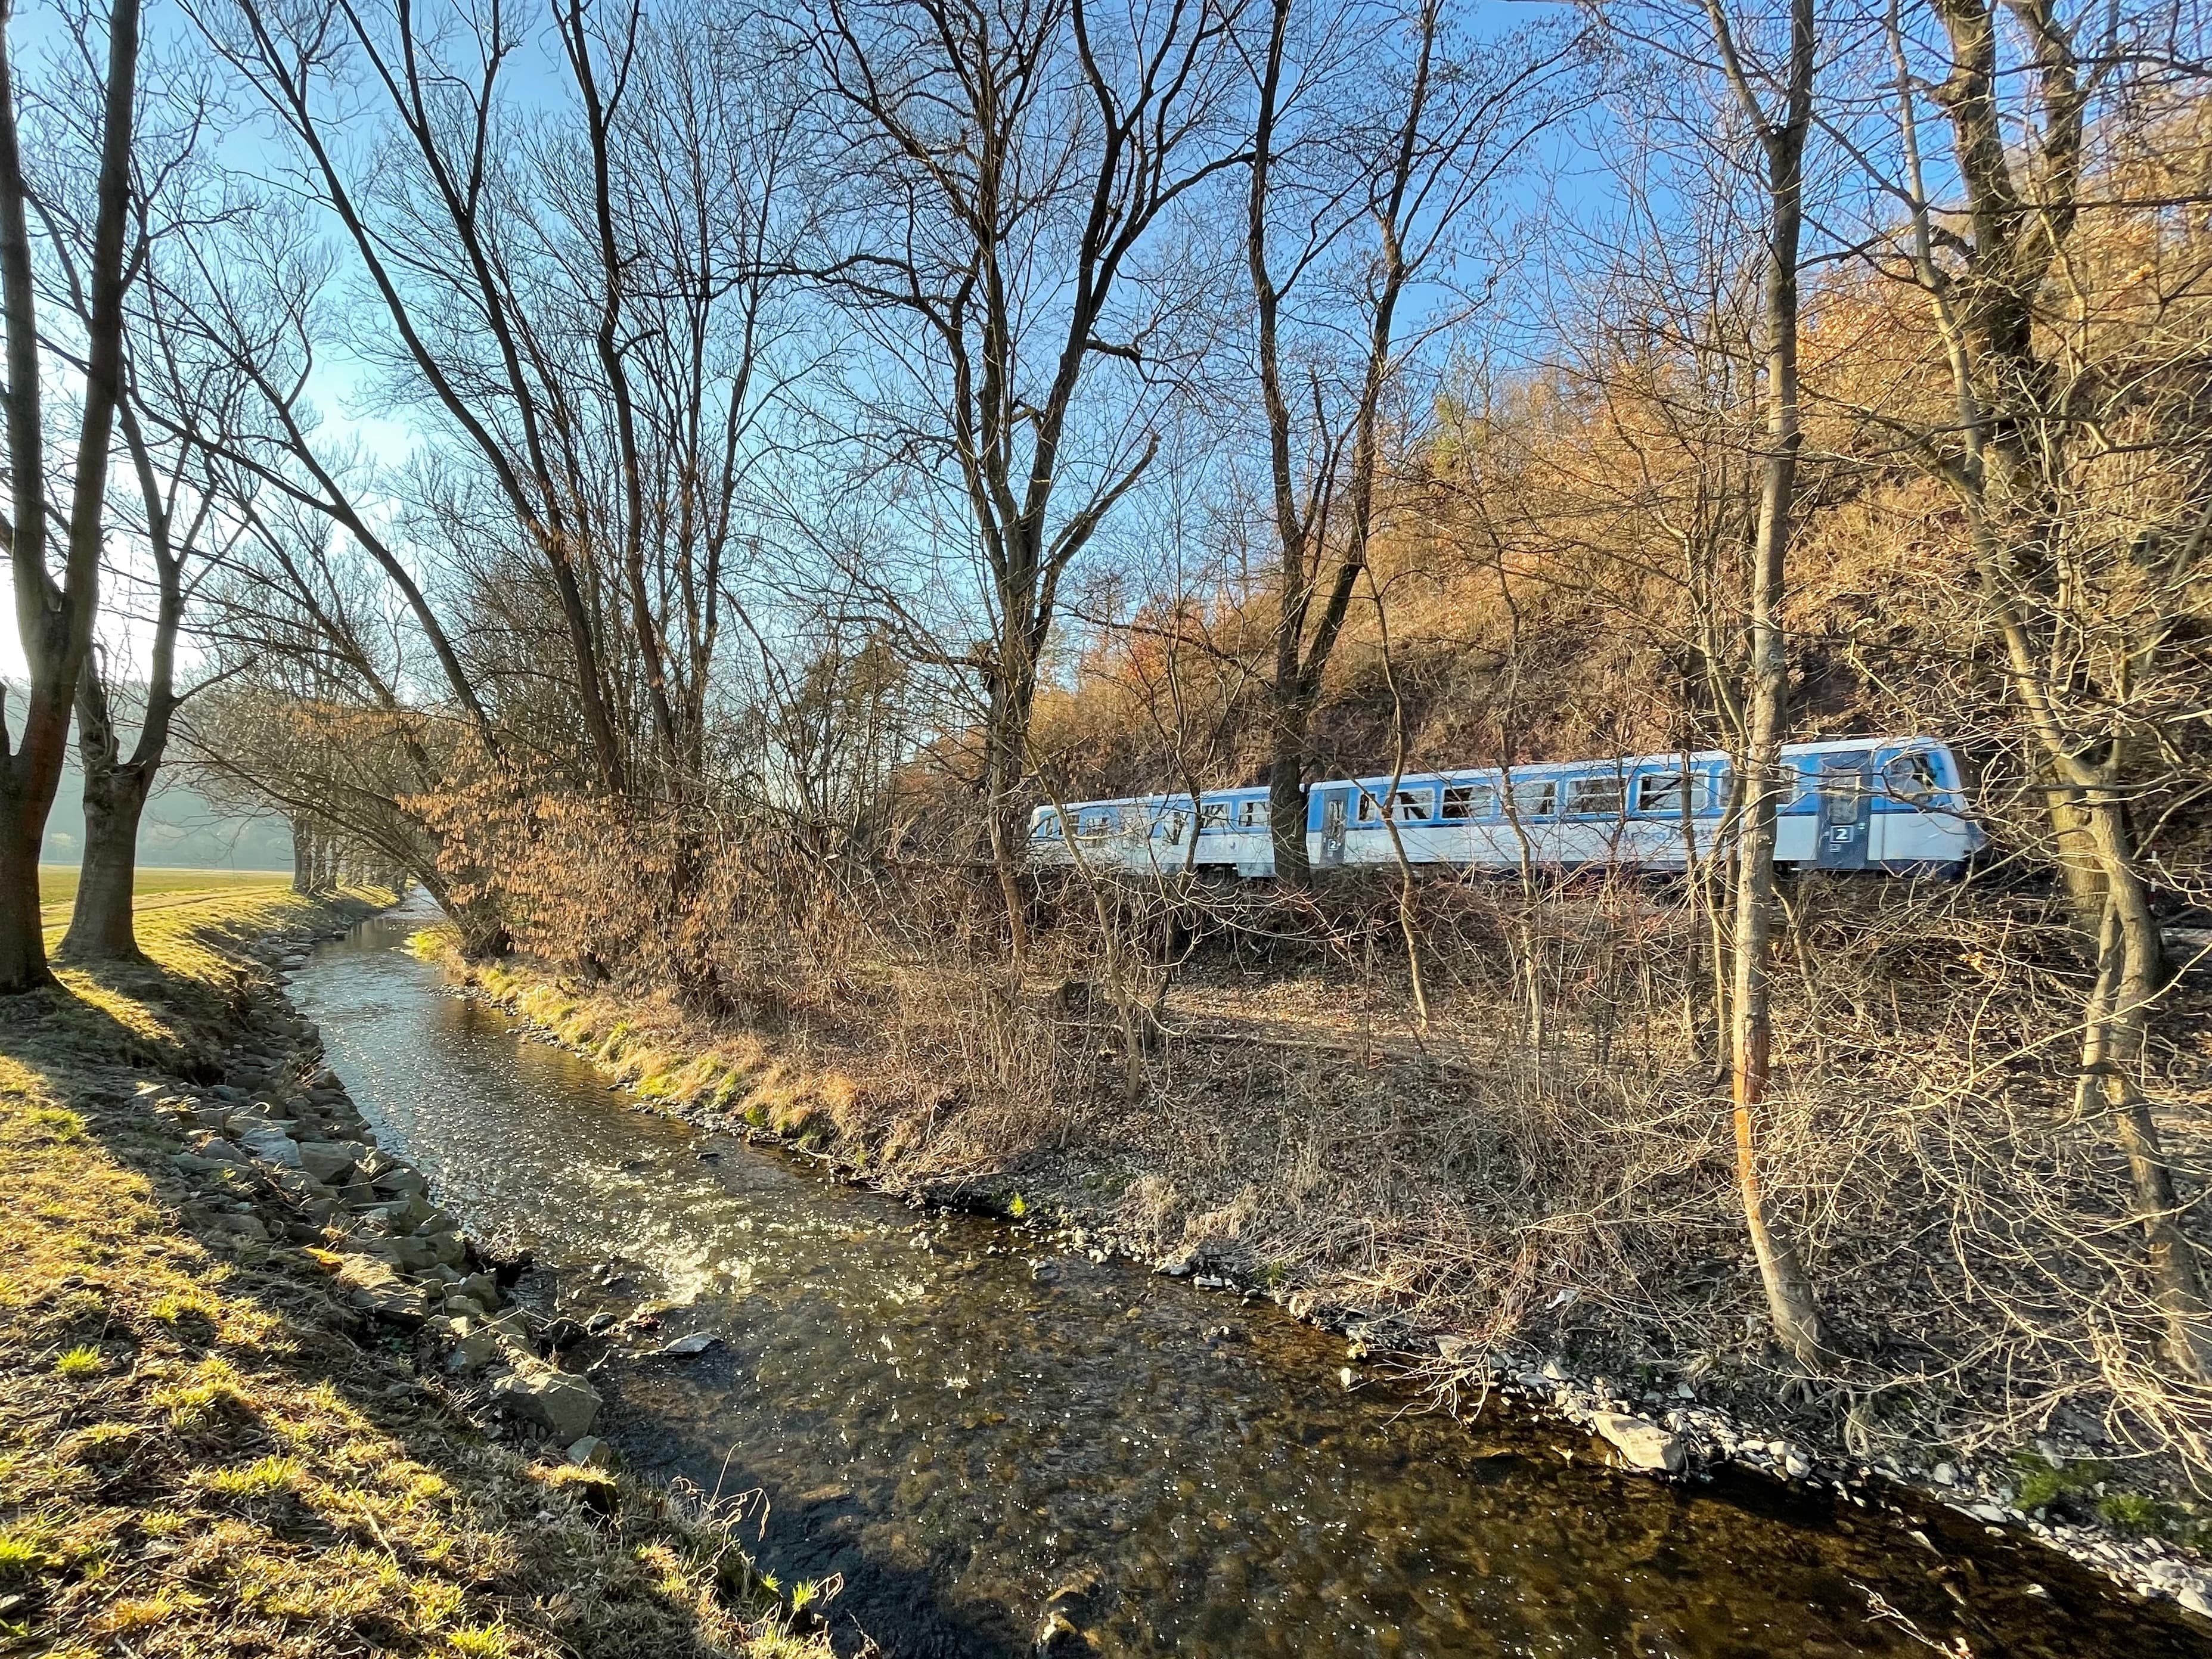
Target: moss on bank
x: 197, y: 1453
x: 737, y: 1073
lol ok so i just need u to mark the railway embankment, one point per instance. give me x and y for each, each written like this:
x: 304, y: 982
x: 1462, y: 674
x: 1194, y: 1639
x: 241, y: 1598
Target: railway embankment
x: 258, y: 1394
x: 1112, y: 1189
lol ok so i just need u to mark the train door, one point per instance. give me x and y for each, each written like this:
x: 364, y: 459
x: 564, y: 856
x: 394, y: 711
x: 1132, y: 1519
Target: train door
x: 1846, y: 813
x: 1335, y: 809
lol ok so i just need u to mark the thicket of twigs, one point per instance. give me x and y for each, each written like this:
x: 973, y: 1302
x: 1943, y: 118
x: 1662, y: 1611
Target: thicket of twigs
x: 1547, y: 1161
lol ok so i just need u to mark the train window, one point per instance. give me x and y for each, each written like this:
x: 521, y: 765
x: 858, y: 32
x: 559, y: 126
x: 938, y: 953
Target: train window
x: 1370, y: 808
x: 1596, y: 794
x: 1213, y: 815
x: 1169, y: 826
x: 1911, y: 777
x: 1413, y: 807
x: 1097, y: 821
x: 1666, y: 792
x: 1046, y: 828
x: 1539, y: 799
x: 1466, y: 801
x: 1251, y: 814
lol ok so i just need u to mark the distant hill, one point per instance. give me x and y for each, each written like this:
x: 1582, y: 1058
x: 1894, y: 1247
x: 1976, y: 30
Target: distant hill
x: 179, y: 830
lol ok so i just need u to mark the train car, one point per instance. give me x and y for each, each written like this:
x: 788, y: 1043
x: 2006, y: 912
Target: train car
x: 1895, y: 805
x: 1134, y: 833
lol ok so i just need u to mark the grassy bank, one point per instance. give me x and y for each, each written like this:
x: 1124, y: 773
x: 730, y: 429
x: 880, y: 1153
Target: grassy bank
x: 201, y: 1452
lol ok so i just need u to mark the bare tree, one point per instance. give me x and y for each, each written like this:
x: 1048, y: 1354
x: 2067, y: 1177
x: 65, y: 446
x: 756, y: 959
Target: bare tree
x: 602, y: 466
x: 2041, y: 422
x: 176, y: 515
x: 1373, y: 135
x: 170, y: 507
x: 55, y: 618
x: 1001, y: 170
x: 1776, y: 102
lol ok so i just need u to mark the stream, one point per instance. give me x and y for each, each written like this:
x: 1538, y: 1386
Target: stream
x: 957, y: 1438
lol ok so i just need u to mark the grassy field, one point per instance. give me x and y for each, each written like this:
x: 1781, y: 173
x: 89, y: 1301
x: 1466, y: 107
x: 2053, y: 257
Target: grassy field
x: 201, y: 1453
x: 57, y: 885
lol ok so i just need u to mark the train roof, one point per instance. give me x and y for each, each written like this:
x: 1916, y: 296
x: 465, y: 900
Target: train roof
x: 1243, y: 792
x: 1628, y: 763
x: 1537, y: 769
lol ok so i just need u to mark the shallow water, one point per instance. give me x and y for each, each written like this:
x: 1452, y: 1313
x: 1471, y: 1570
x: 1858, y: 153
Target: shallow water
x: 959, y: 1440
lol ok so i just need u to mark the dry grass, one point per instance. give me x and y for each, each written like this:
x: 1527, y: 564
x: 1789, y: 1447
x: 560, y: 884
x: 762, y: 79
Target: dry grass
x: 199, y: 1454
x: 1548, y: 1167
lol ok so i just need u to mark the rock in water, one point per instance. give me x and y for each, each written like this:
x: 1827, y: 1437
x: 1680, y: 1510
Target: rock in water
x: 554, y: 1399
x: 1642, y: 1445
x: 1057, y: 1638
x: 697, y: 1342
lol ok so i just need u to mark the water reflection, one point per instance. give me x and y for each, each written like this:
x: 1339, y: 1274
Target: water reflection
x: 962, y: 1440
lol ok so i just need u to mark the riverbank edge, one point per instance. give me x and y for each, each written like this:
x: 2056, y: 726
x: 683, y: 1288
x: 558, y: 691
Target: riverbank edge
x: 232, y: 1420
x: 768, y: 1098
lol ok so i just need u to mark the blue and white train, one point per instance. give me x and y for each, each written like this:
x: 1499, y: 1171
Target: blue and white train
x: 1895, y: 805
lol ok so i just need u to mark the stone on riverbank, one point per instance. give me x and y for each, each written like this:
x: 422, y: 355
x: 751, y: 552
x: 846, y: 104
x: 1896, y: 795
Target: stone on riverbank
x: 472, y: 1350
x: 591, y: 1452
x: 237, y: 1229
x: 378, y: 1290
x: 329, y: 1161
x: 271, y: 1145
x: 1642, y: 1445
x: 400, y: 1182
x: 563, y: 1405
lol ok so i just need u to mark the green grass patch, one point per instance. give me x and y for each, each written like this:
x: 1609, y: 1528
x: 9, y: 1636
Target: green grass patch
x: 20, y: 1557
x: 57, y: 883
x: 2043, y: 1483
x: 258, y: 1479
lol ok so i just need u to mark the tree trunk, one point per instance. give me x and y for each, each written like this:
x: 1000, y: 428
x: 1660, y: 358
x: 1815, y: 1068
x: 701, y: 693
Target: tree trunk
x: 1286, y: 796
x: 1790, y: 1299
x: 303, y: 855
x: 100, y: 927
x: 1005, y: 767
x: 2130, y: 968
x: 23, y: 932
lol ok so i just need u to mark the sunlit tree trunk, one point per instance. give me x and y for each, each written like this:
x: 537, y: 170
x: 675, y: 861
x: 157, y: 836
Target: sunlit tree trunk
x: 100, y: 926
x: 1788, y: 1288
